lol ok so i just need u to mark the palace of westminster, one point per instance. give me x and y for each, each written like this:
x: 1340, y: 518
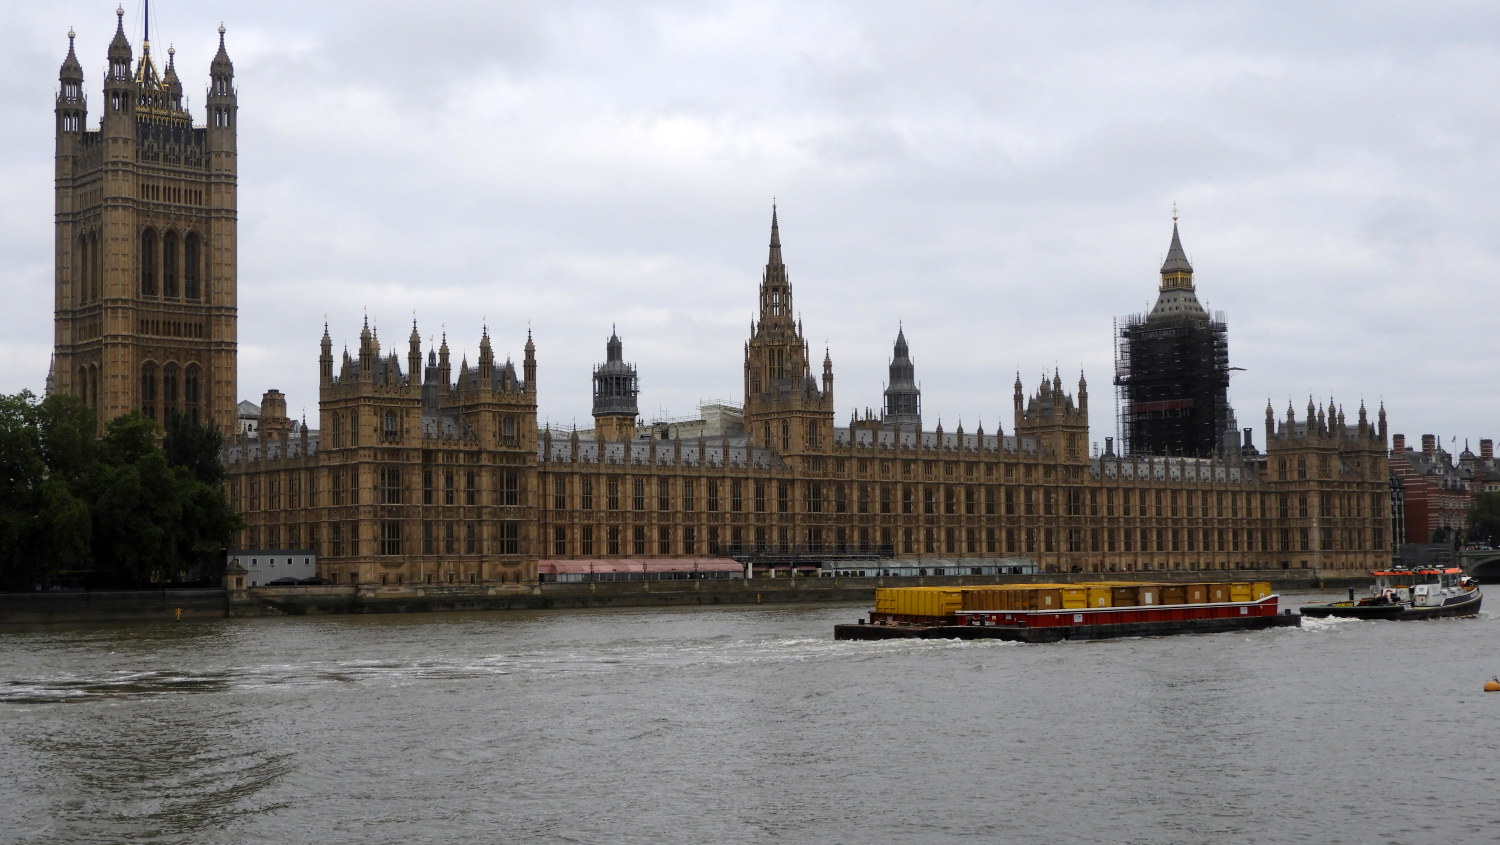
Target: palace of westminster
x: 422, y: 471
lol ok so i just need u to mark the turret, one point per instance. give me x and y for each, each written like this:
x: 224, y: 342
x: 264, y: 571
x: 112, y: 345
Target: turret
x: 903, y: 399
x: 414, y: 355
x: 72, y: 107
x: 367, y: 353
x: 616, y: 393
x: 119, y: 99
x: 171, y: 84
x: 325, y: 359
x: 222, y: 101
x: 528, y: 365
x: 273, y: 423
x: 486, y: 359
x: 827, y: 376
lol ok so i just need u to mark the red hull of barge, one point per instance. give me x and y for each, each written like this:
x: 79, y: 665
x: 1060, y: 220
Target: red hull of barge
x: 1082, y: 623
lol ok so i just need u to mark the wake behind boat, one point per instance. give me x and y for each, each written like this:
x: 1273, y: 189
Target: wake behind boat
x: 1400, y: 593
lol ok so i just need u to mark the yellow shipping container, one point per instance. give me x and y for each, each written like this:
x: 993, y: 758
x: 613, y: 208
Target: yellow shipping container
x: 1260, y: 589
x: 1075, y: 598
x: 1239, y: 591
x: 1100, y: 595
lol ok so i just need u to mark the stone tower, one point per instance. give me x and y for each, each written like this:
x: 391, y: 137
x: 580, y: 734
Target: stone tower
x: 145, y: 240
x: 903, y: 399
x: 785, y: 409
x: 1059, y: 424
x: 615, y: 393
x: 1172, y: 371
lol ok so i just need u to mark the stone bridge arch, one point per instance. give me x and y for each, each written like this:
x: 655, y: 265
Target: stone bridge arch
x: 1483, y: 564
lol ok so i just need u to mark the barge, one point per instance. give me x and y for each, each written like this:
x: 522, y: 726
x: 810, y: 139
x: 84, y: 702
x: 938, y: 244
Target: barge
x: 1043, y: 613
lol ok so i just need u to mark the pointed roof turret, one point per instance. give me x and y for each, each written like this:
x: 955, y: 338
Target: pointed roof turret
x: 1177, y: 260
x: 119, y: 50
x: 119, y: 45
x: 221, y: 60
x: 614, y: 350
x: 1177, y: 296
x: 72, y: 69
x: 169, y: 78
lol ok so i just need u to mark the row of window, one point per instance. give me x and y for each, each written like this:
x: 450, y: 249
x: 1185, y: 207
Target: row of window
x: 469, y: 538
x: 834, y: 497
x: 639, y: 540
x: 169, y: 388
x: 169, y: 259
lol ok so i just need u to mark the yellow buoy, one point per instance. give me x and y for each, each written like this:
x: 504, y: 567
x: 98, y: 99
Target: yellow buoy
x: 1492, y: 685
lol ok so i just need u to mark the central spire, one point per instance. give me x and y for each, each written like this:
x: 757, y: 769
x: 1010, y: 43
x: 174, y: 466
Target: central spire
x: 775, y: 287
x: 775, y: 257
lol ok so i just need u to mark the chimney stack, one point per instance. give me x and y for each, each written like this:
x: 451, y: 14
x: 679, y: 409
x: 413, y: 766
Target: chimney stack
x: 1429, y: 444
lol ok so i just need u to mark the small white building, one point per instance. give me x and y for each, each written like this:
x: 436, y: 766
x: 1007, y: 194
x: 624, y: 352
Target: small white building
x: 274, y: 566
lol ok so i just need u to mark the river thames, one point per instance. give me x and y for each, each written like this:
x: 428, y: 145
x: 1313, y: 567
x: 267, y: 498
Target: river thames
x: 739, y: 725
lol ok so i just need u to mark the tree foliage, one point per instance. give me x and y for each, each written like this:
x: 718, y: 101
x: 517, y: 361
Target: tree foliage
x: 1484, y: 518
x: 106, y: 511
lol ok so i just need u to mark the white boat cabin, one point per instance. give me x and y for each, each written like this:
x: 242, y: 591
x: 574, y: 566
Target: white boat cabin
x: 1428, y: 586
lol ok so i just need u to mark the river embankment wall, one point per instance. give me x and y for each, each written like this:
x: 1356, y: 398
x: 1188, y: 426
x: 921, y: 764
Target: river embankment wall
x: 27, y: 608
x: 112, y: 605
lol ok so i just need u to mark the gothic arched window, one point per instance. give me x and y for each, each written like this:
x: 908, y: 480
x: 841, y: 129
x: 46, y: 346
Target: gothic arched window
x: 192, y: 392
x: 190, y: 268
x: 82, y: 270
x: 148, y: 390
x: 148, y: 263
x: 169, y: 390
x: 96, y: 268
x: 169, y: 265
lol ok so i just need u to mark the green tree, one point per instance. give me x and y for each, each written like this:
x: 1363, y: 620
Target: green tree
x: 1484, y: 518
x: 47, y: 450
x: 113, y: 506
x: 196, y: 446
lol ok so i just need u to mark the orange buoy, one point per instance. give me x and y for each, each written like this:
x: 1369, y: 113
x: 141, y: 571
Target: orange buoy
x: 1492, y: 685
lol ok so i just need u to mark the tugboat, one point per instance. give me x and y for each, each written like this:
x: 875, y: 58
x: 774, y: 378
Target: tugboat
x: 1426, y: 592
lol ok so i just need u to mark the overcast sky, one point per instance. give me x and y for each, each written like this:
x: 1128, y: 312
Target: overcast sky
x: 997, y: 177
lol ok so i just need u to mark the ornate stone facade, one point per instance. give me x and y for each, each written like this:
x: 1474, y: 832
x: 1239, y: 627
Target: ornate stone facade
x: 145, y: 240
x: 436, y: 479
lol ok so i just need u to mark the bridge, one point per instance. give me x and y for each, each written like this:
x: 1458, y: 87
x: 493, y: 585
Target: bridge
x: 1483, y: 564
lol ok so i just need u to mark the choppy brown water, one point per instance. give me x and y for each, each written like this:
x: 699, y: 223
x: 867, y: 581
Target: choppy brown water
x: 741, y: 725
